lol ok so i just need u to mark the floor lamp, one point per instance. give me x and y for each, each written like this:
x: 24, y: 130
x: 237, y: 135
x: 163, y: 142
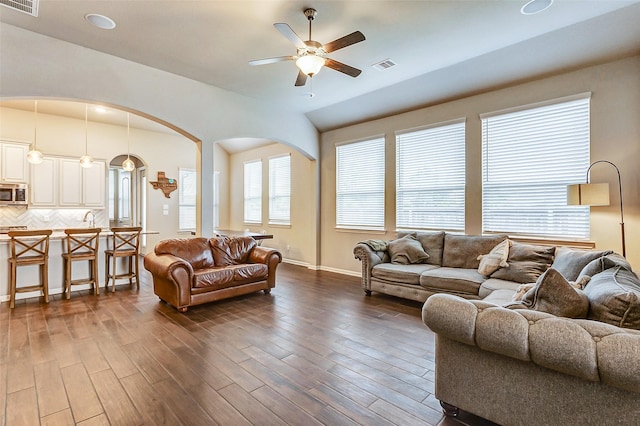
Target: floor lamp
x: 596, y: 194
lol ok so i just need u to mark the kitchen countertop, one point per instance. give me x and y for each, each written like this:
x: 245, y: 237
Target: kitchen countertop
x: 58, y: 234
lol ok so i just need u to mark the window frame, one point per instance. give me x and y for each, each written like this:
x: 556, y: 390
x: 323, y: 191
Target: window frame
x: 257, y: 198
x: 542, y: 202
x: 347, y: 197
x: 420, y: 182
x: 279, y: 190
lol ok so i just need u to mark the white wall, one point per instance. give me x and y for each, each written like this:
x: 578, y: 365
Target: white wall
x: 615, y: 136
x: 297, y: 241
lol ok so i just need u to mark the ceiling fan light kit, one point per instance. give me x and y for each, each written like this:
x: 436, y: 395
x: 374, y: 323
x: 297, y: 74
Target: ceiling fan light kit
x: 310, y: 55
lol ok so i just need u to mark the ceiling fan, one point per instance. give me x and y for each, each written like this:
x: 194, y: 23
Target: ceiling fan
x: 311, y: 55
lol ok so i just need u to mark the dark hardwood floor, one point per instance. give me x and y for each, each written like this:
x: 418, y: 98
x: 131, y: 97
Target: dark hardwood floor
x: 315, y: 351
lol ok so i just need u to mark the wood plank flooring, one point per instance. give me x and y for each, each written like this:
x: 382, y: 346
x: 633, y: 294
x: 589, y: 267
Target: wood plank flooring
x: 316, y: 351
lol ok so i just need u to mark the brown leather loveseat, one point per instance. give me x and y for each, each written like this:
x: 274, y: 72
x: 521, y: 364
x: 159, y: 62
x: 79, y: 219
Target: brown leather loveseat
x: 193, y: 271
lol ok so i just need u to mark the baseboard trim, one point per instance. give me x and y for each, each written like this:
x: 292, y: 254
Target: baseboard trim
x: 52, y: 291
x: 321, y: 268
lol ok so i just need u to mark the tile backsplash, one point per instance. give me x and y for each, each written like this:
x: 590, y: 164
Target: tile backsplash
x: 34, y: 218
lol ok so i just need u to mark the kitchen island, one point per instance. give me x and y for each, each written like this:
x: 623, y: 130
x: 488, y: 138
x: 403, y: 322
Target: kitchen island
x: 28, y: 275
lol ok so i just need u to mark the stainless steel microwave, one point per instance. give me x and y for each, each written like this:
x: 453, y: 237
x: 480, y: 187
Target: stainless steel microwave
x: 13, y: 194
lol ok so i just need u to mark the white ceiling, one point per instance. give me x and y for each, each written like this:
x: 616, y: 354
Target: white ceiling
x: 443, y: 49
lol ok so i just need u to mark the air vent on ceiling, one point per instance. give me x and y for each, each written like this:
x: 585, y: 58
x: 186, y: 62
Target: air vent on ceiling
x: 383, y: 65
x: 29, y: 7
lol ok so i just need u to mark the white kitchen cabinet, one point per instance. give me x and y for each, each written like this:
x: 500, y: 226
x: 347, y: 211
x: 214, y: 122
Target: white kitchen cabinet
x: 13, y: 162
x: 80, y: 187
x: 44, y: 183
x: 62, y: 182
x: 93, y: 185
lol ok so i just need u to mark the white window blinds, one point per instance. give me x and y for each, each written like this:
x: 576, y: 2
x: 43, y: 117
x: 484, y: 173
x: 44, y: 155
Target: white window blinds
x: 529, y: 158
x: 360, y: 184
x: 187, y: 199
x: 253, y: 192
x: 280, y: 190
x: 430, y: 178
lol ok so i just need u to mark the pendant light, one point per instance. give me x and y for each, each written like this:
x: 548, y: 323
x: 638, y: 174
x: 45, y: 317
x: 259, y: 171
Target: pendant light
x: 34, y: 156
x: 128, y: 164
x: 86, y: 161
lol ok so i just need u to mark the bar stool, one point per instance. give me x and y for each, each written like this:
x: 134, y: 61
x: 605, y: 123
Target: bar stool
x: 81, y: 244
x: 123, y: 243
x: 29, y: 248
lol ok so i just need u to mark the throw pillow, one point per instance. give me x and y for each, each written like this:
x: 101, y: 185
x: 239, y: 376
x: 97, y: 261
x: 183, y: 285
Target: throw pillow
x: 526, y: 263
x: 555, y: 295
x: 524, y: 288
x: 406, y: 250
x: 570, y: 262
x: 603, y: 263
x: 497, y: 258
x: 614, y: 298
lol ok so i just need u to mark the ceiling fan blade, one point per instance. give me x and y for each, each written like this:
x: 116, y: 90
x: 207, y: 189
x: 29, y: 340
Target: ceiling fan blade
x: 286, y: 31
x: 271, y: 60
x: 302, y: 79
x: 343, y: 68
x: 348, y: 40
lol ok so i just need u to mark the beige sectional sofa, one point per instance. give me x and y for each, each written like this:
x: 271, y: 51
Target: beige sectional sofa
x: 451, y: 267
x: 568, y: 353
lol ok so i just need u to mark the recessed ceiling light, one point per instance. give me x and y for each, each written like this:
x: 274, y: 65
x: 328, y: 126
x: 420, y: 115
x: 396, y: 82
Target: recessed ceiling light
x: 535, y: 6
x: 100, y: 21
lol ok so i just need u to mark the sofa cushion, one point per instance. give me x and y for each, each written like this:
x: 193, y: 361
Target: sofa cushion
x: 526, y: 263
x: 570, y: 262
x: 212, y: 278
x: 462, y: 251
x: 453, y: 280
x: 231, y: 250
x: 553, y: 294
x: 495, y: 259
x: 406, y: 250
x: 614, y: 298
x: 196, y: 251
x: 406, y: 274
x: 249, y: 271
x: 432, y: 243
x: 494, y: 284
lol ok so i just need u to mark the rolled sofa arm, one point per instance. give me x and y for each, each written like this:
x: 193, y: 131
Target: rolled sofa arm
x: 369, y: 259
x: 172, y: 278
x: 588, y: 349
x: 269, y: 257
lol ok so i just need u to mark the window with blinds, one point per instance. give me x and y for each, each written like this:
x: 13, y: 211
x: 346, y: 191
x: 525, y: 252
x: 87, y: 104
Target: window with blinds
x: 253, y: 191
x: 529, y: 156
x: 360, y: 184
x: 280, y: 190
x: 430, y: 177
x: 187, y: 199
x: 216, y: 199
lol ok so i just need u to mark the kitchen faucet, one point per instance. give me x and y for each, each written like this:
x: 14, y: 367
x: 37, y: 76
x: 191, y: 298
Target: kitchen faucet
x: 92, y: 220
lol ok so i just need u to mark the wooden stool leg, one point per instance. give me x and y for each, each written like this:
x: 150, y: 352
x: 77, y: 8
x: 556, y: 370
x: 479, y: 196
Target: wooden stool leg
x: 93, y: 265
x: 45, y: 280
x: 137, y: 266
x: 106, y: 272
x: 12, y: 281
x: 114, y: 261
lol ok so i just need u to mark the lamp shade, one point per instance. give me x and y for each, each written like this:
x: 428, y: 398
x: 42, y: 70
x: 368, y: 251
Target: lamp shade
x: 310, y: 64
x: 34, y: 156
x: 588, y: 194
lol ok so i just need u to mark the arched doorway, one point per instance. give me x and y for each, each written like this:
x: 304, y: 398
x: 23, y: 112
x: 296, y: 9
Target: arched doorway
x: 127, y: 203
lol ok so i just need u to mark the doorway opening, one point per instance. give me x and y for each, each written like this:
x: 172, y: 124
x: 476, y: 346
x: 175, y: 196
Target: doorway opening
x: 127, y: 195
